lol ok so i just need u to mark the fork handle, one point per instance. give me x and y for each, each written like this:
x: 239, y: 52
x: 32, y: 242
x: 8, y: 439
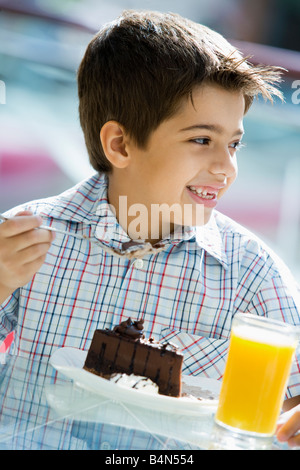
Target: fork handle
x: 53, y: 229
x: 63, y: 232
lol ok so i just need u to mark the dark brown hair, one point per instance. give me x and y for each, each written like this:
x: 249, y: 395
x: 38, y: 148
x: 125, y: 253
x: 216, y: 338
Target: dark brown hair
x: 138, y: 69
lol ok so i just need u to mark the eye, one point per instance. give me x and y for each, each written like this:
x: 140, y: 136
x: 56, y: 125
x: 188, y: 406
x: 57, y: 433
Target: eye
x: 201, y: 141
x: 237, y: 145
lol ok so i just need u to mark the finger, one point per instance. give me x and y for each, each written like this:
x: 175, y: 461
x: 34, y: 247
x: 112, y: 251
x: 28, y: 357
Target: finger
x: 26, y: 240
x: 35, y: 265
x: 289, y: 428
x: 33, y: 253
x: 16, y: 263
x: 23, y: 213
x: 19, y: 224
x: 294, y: 441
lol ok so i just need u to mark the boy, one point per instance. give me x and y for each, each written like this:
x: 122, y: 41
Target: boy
x: 161, y: 103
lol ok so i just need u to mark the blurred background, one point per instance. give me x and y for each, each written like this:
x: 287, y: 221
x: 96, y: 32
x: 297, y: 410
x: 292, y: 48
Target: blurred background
x: 42, y: 149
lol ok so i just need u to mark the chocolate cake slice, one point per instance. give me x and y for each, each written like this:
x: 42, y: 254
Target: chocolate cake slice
x: 125, y: 350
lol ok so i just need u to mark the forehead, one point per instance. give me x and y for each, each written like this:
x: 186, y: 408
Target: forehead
x: 210, y: 105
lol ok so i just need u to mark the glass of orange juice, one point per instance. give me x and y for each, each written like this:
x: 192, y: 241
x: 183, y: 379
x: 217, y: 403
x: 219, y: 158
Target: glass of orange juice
x: 257, y: 370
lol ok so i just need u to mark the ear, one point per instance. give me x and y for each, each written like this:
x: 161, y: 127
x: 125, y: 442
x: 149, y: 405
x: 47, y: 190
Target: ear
x: 112, y: 136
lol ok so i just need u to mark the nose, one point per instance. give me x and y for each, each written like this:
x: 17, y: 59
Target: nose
x: 223, y: 162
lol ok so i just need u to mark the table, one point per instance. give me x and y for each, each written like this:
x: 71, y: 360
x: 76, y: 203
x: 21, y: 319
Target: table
x: 43, y: 410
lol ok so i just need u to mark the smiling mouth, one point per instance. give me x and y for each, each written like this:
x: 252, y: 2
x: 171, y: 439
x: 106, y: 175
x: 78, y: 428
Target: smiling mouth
x: 203, y: 193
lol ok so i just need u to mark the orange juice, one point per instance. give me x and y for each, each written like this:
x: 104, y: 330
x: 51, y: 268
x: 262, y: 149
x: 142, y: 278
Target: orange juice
x: 255, y: 378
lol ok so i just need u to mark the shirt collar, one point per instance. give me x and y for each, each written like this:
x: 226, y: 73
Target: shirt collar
x: 77, y: 204
x: 110, y: 231
x: 87, y: 203
x: 210, y: 239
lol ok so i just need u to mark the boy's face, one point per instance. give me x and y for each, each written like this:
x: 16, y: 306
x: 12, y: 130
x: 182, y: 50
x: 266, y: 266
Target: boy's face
x: 192, y: 152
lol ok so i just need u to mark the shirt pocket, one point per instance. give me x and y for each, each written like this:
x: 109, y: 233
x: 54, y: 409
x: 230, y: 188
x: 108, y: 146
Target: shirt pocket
x: 202, y: 355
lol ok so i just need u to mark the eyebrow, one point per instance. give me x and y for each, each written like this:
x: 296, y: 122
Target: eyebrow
x: 210, y: 127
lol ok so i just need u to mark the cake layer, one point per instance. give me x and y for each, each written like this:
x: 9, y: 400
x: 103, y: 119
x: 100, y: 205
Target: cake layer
x: 112, y: 353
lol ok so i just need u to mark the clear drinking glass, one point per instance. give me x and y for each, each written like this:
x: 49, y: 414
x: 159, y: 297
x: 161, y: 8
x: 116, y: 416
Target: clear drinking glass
x: 257, y: 370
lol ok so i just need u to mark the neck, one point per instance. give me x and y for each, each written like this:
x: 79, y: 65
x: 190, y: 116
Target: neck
x: 136, y: 218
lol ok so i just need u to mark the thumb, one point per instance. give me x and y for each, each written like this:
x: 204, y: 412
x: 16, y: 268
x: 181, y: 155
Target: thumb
x: 24, y: 213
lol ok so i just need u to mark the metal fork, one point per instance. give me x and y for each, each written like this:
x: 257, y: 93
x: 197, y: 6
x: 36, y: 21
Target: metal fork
x: 53, y: 229
x: 130, y: 249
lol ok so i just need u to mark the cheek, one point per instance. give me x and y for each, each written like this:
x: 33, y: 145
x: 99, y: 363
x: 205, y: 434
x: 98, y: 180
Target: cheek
x: 233, y: 177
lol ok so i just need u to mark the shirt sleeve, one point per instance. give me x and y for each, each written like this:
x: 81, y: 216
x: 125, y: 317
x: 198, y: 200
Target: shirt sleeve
x: 268, y: 288
x: 279, y: 299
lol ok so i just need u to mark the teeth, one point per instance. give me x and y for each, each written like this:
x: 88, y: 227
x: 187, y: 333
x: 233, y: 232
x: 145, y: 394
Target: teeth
x: 201, y: 192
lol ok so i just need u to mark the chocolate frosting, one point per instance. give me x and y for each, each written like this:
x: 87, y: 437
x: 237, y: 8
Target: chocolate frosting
x: 131, y: 329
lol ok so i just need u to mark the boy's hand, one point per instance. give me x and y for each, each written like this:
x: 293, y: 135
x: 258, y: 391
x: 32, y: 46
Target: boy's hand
x: 22, y: 251
x: 289, y: 427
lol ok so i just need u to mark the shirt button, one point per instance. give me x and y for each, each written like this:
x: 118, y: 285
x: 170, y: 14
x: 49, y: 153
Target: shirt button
x: 138, y: 263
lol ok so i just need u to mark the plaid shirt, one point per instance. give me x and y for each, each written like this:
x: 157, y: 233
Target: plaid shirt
x: 186, y: 294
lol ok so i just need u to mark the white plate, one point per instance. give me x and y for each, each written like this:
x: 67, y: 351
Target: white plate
x: 70, y: 361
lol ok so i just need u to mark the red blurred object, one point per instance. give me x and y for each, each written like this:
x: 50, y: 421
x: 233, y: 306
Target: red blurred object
x: 6, y: 344
x: 12, y: 163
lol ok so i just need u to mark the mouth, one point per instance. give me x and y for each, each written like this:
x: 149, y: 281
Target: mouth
x: 203, y: 192
x: 206, y: 195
